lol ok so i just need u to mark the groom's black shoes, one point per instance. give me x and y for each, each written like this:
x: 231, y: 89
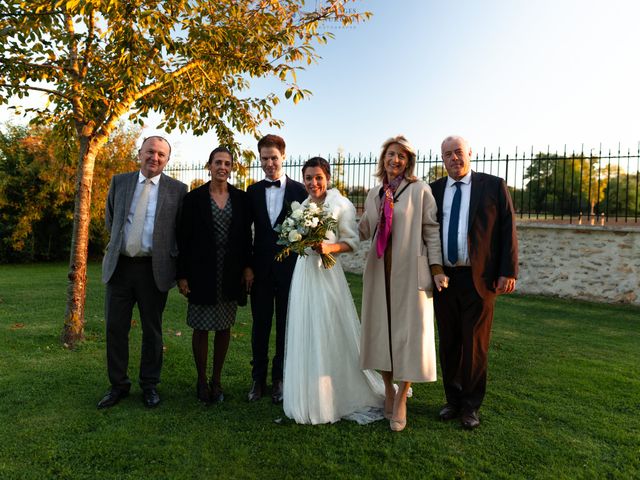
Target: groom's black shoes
x: 276, y: 395
x: 112, y: 397
x: 150, y: 397
x: 449, y: 412
x: 257, y: 390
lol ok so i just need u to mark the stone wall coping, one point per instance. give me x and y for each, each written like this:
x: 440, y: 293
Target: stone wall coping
x: 574, y: 227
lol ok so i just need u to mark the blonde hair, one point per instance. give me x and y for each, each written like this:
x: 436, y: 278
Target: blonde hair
x: 411, y: 160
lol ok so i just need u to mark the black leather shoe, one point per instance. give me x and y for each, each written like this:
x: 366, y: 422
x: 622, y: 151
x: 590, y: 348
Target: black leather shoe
x: 257, y: 390
x: 112, y: 397
x: 449, y: 412
x: 150, y: 398
x: 469, y: 419
x: 203, y: 393
x: 217, y: 394
x: 276, y: 395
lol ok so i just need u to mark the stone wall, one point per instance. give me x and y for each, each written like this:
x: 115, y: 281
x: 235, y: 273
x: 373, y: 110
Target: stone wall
x: 570, y: 261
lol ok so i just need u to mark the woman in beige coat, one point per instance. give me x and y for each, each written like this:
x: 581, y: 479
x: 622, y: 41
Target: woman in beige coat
x: 397, y: 306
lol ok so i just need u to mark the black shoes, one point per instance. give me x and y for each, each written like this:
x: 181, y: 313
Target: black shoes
x: 276, y: 394
x: 112, y: 397
x: 469, y: 419
x: 449, y: 412
x: 203, y: 393
x: 258, y: 389
x: 217, y: 394
x: 150, y: 397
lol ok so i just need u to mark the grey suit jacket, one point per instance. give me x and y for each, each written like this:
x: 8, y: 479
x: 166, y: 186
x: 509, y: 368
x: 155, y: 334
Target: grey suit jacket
x: 165, y: 249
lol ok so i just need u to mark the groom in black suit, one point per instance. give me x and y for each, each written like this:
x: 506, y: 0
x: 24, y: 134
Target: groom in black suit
x: 269, y: 200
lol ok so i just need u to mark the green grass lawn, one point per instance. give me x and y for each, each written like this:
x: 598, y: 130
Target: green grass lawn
x: 563, y: 402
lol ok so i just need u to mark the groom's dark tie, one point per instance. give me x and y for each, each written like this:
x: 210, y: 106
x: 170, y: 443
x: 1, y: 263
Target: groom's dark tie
x: 454, y: 217
x: 273, y: 184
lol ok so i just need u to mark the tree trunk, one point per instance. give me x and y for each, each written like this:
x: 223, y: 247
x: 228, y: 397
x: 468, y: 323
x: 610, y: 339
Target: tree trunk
x: 74, y: 321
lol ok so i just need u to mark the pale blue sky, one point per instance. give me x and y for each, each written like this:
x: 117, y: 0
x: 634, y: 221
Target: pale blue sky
x: 503, y: 73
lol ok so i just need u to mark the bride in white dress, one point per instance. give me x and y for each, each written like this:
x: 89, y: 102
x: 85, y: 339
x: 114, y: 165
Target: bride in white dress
x: 322, y: 379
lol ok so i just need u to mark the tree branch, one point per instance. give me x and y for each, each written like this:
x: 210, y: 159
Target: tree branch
x: 49, y: 66
x: 88, y: 51
x: 159, y: 84
x: 73, y: 46
x: 37, y: 89
x: 29, y: 14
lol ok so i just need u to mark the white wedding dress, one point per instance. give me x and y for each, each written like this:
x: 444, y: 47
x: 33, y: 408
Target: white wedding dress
x: 322, y: 379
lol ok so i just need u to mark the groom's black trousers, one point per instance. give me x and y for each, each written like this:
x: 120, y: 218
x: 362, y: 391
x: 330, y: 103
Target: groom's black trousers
x: 269, y: 293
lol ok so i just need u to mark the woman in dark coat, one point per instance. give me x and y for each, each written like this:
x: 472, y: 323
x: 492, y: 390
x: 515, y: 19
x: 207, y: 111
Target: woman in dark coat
x: 214, y: 239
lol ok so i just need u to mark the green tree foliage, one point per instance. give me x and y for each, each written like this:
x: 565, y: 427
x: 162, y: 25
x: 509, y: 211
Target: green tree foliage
x: 435, y: 172
x: 337, y: 172
x: 37, y: 170
x: 622, y: 195
x: 100, y: 60
x: 561, y: 184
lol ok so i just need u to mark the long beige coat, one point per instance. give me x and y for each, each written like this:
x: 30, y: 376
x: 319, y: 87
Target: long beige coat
x: 416, y: 245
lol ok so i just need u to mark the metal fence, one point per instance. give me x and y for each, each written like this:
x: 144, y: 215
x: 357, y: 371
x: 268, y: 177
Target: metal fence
x: 590, y: 187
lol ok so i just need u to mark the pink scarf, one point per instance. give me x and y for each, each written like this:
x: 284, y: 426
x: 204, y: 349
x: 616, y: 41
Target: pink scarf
x: 386, y: 214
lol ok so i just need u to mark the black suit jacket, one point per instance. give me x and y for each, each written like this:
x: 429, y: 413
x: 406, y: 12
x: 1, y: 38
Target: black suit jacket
x: 492, y: 239
x: 197, y: 246
x: 265, y: 237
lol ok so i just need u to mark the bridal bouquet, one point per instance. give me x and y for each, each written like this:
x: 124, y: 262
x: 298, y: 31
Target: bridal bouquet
x: 306, y: 226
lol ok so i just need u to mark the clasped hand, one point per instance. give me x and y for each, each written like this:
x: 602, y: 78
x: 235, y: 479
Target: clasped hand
x: 441, y: 281
x: 505, y: 285
x: 247, y: 279
x: 323, y: 248
x: 183, y: 287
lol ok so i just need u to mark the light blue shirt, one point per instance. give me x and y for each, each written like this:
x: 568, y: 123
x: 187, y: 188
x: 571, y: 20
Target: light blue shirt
x: 149, y: 218
x: 463, y: 221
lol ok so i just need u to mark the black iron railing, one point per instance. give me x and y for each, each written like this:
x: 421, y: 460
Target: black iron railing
x: 594, y: 186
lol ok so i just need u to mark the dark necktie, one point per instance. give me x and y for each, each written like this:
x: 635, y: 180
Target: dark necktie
x: 454, y: 217
x: 272, y: 184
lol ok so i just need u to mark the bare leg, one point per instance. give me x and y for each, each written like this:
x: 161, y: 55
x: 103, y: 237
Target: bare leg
x: 399, y: 419
x: 220, y: 347
x: 200, y: 346
x: 389, y: 393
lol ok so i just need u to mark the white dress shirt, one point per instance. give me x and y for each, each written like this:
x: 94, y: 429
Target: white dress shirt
x: 274, y: 197
x: 147, y: 231
x: 463, y: 220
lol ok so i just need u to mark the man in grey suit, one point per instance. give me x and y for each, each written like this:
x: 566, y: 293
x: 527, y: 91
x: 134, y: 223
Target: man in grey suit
x: 139, y: 266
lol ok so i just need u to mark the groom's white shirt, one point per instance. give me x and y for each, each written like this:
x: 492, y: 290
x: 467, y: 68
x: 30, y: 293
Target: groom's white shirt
x: 275, y: 198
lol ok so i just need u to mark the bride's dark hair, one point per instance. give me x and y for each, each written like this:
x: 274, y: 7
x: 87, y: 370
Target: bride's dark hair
x: 318, y: 162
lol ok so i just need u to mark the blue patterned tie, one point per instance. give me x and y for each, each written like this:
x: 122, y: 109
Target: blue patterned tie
x: 454, y: 217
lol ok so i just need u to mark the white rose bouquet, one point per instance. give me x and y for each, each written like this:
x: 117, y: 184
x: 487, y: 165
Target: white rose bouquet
x: 305, y: 226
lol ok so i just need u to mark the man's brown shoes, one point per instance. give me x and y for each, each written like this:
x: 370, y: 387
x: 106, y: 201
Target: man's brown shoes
x: 469, y: 419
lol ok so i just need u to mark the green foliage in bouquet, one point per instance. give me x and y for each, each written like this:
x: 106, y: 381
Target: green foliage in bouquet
x: 305, y: 226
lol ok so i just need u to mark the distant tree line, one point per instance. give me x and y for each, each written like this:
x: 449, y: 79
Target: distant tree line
x: 571, y: 185
x: 38, y: 166
x: 577, y: 184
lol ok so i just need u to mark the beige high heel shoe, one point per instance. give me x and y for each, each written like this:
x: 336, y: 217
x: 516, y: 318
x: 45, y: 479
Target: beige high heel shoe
x: 398, y: 425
